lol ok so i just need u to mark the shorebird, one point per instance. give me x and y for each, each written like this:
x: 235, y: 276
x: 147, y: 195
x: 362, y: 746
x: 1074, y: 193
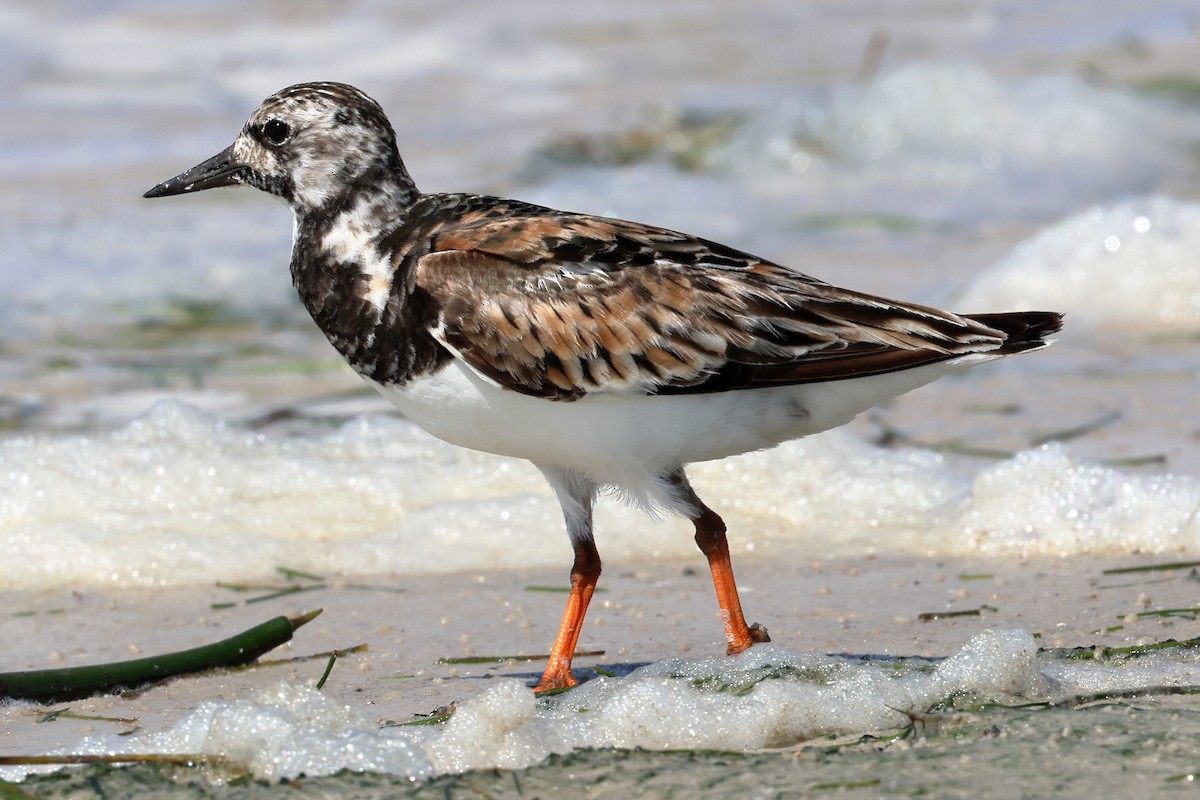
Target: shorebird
x: 610, y: 354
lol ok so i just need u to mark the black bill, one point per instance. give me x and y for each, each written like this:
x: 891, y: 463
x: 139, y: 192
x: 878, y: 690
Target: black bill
x: 220, y: 170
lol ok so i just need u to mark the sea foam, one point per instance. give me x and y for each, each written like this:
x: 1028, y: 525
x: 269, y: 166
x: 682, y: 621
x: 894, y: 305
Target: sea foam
x: 1130, y: 266
x: 178, y: 497
x: 769, y: 696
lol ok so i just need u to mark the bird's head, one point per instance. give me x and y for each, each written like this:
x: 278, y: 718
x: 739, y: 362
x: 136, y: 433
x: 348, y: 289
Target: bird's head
x: 309, y: 144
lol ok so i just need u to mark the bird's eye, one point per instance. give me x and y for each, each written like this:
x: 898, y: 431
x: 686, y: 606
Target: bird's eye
x: 277, y: 131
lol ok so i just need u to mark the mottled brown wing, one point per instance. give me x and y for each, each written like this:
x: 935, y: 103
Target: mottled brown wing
x: 559, y: 306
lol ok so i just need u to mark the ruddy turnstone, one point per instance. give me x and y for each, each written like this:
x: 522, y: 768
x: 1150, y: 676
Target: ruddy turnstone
x: 608, y: 353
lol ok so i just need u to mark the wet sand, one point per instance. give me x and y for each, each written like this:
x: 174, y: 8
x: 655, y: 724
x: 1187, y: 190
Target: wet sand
x: 863, y: 606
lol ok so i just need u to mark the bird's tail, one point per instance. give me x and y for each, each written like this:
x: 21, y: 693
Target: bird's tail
x: 1024, y: 330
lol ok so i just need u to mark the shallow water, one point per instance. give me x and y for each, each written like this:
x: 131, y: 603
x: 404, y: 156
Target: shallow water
x: 171, y: 416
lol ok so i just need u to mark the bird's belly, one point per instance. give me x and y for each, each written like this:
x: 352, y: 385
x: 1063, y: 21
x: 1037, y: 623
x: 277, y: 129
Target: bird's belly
x: 604, y: 436
x: 623, y: 440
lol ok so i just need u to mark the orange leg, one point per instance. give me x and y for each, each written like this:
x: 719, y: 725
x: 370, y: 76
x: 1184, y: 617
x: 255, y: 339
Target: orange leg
x: 584, y: 574
x: 710, y: 536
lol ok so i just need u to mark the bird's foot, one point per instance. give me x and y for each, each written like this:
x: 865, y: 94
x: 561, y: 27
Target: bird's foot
x: 555, y: 679
x: 755, y: 634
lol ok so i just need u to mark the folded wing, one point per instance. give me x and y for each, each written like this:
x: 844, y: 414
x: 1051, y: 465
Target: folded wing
x: 560, y: 306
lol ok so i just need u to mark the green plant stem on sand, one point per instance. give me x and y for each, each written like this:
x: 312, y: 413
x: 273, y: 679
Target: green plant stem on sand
x: 71, y: 683
x: 503, y: 659
x: 1166, y: 567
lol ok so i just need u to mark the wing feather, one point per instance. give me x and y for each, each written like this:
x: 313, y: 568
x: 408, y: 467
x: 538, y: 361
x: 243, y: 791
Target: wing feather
x: 562, y: 305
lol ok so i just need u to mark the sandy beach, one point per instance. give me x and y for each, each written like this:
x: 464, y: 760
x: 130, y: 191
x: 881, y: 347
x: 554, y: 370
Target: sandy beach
x: 861, y: 606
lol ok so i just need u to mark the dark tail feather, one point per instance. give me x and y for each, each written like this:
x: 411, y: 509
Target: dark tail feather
x: 1024, y: 330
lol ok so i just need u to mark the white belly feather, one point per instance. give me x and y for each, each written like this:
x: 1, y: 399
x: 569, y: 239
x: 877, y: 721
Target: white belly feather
x: 628, y: 440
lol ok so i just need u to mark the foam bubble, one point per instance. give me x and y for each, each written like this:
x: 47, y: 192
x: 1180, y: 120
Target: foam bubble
x: 285, y: 731
x: 1043, y: 502
x: 1147, y: 671
x: 177, y: 497
x: 957, y: 114
x: 769, y: 696
x: 951, y: 141
x: 1128, y: 265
